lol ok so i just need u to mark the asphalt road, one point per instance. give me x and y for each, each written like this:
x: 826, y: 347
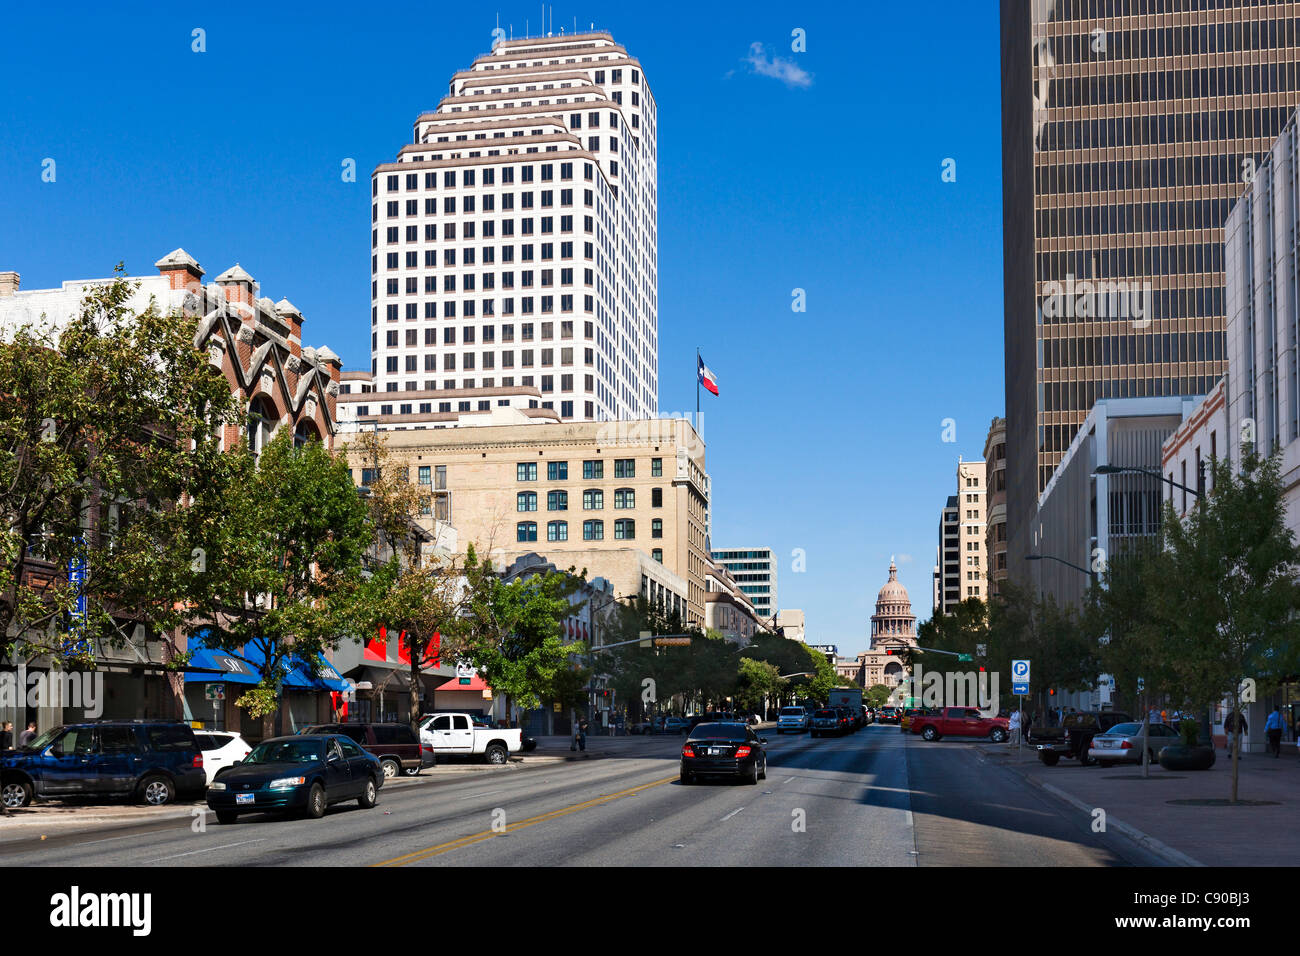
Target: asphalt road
x: 873, y: 798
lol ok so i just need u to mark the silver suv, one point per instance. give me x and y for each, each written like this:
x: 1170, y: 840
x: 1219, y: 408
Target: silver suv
x: 793, y: 719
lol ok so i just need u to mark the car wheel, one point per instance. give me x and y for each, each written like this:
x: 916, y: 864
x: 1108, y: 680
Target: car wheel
x: 496, y: 754
x: 390, y: 767
x: 753, y: 774
x: 763, y: 774
x: 369, y: 794
x: 316, y: 802
x: 157, y: 791
x: 227, y: 817
x: 929, y: 734
x: 686, y: 779
x: 1050, y: 759
x: 16, y: 794
x: 998, y: 736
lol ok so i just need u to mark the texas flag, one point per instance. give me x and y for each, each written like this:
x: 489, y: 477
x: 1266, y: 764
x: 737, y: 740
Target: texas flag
x: 707, y: 378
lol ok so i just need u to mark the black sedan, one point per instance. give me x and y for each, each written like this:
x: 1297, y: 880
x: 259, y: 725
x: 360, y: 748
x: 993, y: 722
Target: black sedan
x: 724, y: 750
x: 307, y: 772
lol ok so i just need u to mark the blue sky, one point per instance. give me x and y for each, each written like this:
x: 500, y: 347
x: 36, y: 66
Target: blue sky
x: 819, y: 170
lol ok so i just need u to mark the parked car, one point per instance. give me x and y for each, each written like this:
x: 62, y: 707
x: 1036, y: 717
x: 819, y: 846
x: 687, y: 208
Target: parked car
x: 675, y: 725
x: 960, y: 722
x: 1074, y: 736
x: 396, y: 745
x: 1124, y: 743
x: 724, y: 750
x: 221, y: 749
x: 307, y: 772
x: 826, y: 723
x: 641, y: 727
x: 455, y: 734
x: 793, y: 720
x: 152, y: 760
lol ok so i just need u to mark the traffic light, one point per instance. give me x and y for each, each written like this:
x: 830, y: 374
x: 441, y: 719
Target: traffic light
x: 1051, y: 692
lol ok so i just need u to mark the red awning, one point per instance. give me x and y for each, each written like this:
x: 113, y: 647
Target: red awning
x: 475, y: 683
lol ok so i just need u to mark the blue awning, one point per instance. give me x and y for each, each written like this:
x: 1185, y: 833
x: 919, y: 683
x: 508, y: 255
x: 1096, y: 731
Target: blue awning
x: 244, y: 667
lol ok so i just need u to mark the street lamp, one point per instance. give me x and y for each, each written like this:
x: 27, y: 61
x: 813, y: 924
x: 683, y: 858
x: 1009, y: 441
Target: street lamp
x: 1133, y: 470
x: 1050, y: 557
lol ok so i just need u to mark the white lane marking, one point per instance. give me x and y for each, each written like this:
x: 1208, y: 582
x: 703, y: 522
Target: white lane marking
x: 909, y: 818
x: 483, y: 794
x: 731, y: 814
x: 224, y: 846
x: 107, y: 839
x: 787, y: 779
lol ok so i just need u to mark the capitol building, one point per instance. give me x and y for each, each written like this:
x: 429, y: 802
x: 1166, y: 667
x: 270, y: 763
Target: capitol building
x: 893, y: 627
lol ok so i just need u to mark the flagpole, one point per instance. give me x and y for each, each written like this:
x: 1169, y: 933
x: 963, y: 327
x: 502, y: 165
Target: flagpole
x: 697, y: 389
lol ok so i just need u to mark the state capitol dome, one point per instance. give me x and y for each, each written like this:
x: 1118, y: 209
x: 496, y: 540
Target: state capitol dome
x: 893, y: 620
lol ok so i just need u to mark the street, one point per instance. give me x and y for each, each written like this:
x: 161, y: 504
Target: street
x: 874, y: 798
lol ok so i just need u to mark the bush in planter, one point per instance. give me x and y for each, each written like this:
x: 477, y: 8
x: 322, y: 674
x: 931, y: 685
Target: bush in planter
x: 1188, y: 755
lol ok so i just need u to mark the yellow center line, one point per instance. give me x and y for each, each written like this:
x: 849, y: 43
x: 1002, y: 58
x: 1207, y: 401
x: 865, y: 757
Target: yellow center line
x: 510, y: 828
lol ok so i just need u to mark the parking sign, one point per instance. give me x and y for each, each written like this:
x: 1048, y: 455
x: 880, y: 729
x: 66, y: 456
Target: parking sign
x: 1020, y: 672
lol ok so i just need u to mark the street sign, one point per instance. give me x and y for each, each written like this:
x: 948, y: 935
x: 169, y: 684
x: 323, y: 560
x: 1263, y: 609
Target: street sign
x: 982, y: 650
x: 964, y: 657
x: 1020, y: 672
x: 1020, y: 690
x: 214, y: 691
x: 1141, y: 685
x: 645, y: 637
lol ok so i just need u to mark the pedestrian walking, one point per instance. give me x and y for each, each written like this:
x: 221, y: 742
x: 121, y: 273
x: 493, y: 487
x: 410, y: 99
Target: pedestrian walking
x: 1013, y: 725
x: 28, y: 735
x: 7, y: 735
x: 1273, y: 730
x: 1234, y: 725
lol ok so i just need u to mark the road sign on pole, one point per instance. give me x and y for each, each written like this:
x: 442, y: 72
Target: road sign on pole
x: 1020, y: 690
x: 1020, y: 672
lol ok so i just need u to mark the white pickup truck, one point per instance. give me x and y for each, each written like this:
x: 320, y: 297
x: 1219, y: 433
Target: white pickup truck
x: 458, y: 734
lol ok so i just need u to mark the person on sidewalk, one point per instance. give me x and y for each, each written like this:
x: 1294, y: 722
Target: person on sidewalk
x: 1273, y: 730
x: 1013, y: 725
x: 1234, y: 725
x: 582, y: 735
x: 6, y: 735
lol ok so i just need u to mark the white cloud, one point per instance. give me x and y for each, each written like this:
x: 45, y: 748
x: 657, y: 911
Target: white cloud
x: 904, y: 559
x: 778, y: 68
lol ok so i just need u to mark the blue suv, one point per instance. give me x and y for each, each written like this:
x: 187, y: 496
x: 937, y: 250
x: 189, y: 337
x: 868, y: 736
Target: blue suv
x: 151, y: 760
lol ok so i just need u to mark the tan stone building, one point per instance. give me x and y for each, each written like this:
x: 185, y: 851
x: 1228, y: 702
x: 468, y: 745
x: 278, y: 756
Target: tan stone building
x: 627, y: 500
x: 893, y: 627
x: 727, y: 609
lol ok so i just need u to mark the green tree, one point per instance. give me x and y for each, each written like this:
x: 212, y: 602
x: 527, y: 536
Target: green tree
x: 514, y: 635
x: 877, y: 695
x: 759, y: 682
x: 1231, y: 596
x: 109, y: 425
x: 284, y: 564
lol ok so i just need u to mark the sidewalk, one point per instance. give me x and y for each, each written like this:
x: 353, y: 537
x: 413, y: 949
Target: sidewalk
x: 1163, y: 812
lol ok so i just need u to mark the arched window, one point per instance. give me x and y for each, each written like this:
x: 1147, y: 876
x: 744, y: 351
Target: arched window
x: 625, y: 498
x: 526, y: 501
x: 593, y: 531
x: 305, y: 432
x: 261, y: 425
x: 526, y: 531
x: 557, y: 531
x: 593, y: 499
x: 624, y: 529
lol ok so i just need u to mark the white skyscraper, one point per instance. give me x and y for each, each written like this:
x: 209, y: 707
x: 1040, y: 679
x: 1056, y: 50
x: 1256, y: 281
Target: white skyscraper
x: 515, y: 241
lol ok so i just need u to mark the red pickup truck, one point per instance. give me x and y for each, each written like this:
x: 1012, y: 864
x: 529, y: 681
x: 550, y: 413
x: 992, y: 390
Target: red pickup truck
x: 960, y: 722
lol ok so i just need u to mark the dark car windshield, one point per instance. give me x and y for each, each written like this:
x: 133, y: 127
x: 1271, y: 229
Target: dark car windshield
x: 720, y: 732
x: 285, y: 751
x: 43, y: 741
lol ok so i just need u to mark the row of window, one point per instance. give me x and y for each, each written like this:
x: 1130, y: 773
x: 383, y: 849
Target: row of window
x: 593, y: 499
x: 593, y: 530
x: 591, y: 469
x: 1106, y: 219
x: 486, y: 333
x: 470, y: 177
x: 469, y: 205
x: 489, y: 362
x: 1140, y: 349
x: 1155, y: 85
x: 1130, y: 262
x: 1077, y: 304
x: 469, y: 230
x: 468, y: 308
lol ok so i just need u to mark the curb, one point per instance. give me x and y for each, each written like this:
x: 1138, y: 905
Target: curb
x: 1145, y: 840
